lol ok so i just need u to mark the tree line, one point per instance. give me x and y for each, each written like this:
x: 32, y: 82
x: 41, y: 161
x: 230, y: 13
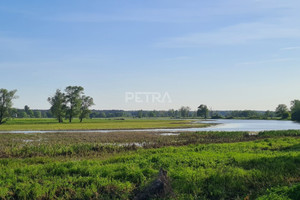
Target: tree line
x: 64, y: 105
x: 282, y: 111
x: 285, y: 113
x: 28, y: 113
x: 73, y: 103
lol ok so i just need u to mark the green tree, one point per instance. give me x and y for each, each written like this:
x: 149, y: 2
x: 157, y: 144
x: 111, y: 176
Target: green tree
x: 28, y: 111
x: 282, y: 111
x: 6, y: 98
x: 73, y: 99
x: 268, y: 114
x: 22, y: 114
x: 152, y: 114
x: 58, y: 105
x: 37, y: 114
x: 102, y: 114
x: 216, y: 115
x: 140, y: 113
x: 26, y: 108
x: 13, y: 112
x: 295, y: 110
x: 86, y: 103
x: 184, y: 111
x: 171, y: 113
x: 202, y: 111
x: 44, y: 114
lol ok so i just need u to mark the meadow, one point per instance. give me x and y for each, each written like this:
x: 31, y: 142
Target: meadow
x: 200, y: 165
x: 93, y: 124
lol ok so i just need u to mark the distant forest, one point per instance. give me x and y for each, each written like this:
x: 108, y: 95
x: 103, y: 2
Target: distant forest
x: 180, y: 113
x: 74, y: 103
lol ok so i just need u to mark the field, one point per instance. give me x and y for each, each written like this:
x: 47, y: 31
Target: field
x: 200, y: 165
x: 93, y: 124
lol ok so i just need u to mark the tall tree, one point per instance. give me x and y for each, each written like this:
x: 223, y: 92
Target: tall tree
x: 184, y: 111
x: 13, y: 112
x: 202, y: 111
x: 140, y: 114
x: 26, y: 108
x: 268, y: 114
x: 73, y: 99
x: 58, y: 105
x: 86, y: 103
x: 6, y: 98
x: 282, y: 111
x: 102, y: 114
x: 22, y: 114
x: 37, y: 114
x: 171, y: 113
x: 28, y: 111
x: 295, y: 110
x: 152, y: 114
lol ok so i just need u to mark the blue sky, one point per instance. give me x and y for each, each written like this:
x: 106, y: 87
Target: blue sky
x: 227, y: 54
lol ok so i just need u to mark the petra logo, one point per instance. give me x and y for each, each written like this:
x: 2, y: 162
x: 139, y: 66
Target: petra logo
x: 147, y: 97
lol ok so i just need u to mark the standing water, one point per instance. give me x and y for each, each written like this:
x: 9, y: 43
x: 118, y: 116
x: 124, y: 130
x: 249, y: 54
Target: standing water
x: 251, y: 125
x: 220, y: 125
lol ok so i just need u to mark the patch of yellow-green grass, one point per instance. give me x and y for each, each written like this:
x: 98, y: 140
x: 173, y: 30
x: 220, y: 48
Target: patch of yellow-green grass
x: 96, y: 124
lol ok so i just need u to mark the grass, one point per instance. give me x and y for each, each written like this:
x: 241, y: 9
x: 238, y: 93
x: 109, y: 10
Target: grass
x: 279, y: 133
x: 282, y: 193
x: 93, y: 124
x: 203, y: 165
x: 99, y: 144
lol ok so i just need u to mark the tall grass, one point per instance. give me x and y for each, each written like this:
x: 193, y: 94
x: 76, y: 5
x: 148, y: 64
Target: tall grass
x: 99, y: 144
x: 93, y: 124
x: 279, y: 133
x: 282, y: 193
x: 60, y: 167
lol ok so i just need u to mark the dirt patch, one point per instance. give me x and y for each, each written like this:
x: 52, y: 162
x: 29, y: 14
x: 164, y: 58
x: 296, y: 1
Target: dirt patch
x: 158, y: 189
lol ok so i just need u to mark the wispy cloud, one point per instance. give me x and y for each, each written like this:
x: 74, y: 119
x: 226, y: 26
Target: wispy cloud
x: 5, y: 40
x: 291, y: 48
x: 140, y: 15
x: 16, y: 11
x: 177, y: 58
x: 62, y: 63
x: 232, y: 35
x: 175, y: 12
x: 17, y: 46
x: 261, y: 20
x: 265, y: 61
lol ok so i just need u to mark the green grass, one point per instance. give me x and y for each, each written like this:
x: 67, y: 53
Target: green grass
x: 279, y: 133
x: 282, y: 193
x: 93, y: 124
x: 98, y: 144
x: 84, y: 166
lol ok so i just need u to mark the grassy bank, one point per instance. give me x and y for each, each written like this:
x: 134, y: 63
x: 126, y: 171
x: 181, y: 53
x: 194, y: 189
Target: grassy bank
x: 93, y: 124
x: 98, y: 144
x: 205, y: 165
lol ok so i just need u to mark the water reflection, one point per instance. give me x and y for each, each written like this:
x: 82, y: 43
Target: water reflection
x: 221, y: 125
